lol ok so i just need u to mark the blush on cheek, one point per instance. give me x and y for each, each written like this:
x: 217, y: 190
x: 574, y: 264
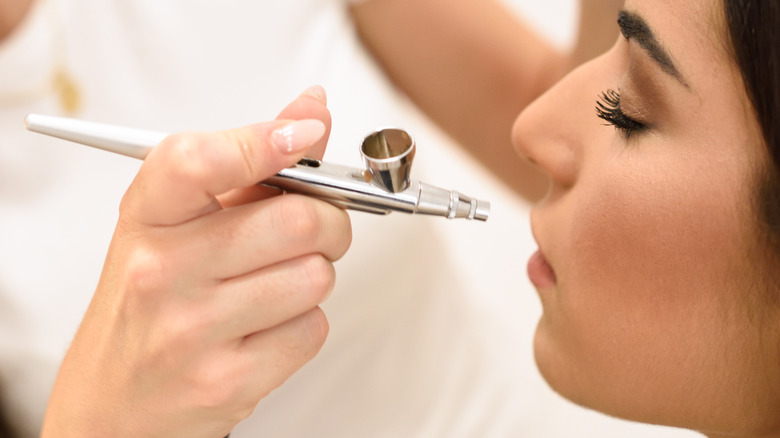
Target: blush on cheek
x: 641, y: 292
x: 652, y: 252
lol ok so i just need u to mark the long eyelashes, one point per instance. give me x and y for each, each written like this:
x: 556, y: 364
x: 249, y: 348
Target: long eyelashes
x: 608, y: 109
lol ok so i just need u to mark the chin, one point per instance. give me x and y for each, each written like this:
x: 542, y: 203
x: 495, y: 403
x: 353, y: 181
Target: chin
x: 577, y: 377
x: 558, y: 371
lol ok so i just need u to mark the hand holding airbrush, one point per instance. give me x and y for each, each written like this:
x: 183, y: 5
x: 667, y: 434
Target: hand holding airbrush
x: 385, y: 184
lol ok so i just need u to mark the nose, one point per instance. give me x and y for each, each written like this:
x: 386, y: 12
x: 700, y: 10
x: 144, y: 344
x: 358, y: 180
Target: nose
x: 548, y: 132
x: 554, y: 131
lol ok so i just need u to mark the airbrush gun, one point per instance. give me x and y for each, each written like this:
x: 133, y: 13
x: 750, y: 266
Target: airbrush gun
x: 385, y: 184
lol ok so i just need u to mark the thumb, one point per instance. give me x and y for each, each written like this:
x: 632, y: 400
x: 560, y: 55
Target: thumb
x: 182, y: 176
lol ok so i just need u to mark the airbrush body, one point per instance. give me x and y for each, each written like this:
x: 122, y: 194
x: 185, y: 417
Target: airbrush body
x: 384, y: 186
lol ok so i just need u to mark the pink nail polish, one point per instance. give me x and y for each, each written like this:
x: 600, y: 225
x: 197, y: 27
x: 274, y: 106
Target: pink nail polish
x: 297, y: 136
x: 317, y: 92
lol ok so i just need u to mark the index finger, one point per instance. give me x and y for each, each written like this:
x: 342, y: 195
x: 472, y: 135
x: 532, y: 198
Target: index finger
x: 183, y: 175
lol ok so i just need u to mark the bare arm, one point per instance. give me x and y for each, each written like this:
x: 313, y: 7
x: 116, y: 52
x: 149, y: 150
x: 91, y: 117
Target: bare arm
x: 11, y: 14
x: 597, y: 29
x: 472, y: 66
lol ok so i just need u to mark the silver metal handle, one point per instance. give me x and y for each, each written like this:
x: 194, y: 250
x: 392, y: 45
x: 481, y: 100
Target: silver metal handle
x: 384, y: 186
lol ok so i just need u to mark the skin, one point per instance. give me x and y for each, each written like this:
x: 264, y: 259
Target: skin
x: 498, y: 64
x: 653, y: 314
x: 12, y: 12
x: 207, y: 280
x: 656, y: 311
x: 187, y: 309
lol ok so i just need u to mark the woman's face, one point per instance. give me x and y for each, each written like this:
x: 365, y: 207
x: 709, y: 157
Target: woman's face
x: 653, y: 309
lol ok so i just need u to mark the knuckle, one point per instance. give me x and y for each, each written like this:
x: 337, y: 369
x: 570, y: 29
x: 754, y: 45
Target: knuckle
x: 245, y: 151
x: 221, y: 387
x: 345, y: 241
x: 320, y: 276
x: 197, y: 154
x: 215, y: 389
x: 299, y: 217
x: 169, y: 346
x: 126, y: 223
x: 311, y: 225
x: 188, y: 155
x: 302, y: 343
x: 317, y: 329
x: 188, y: 326
x: 244, y: 410
x: 146, y: 271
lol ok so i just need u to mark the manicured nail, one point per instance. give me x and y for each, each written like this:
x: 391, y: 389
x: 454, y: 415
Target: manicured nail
x: 317, y: 92
x: 298, y: 136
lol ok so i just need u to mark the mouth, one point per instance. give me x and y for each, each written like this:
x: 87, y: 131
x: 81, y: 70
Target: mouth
x: 540, y: 272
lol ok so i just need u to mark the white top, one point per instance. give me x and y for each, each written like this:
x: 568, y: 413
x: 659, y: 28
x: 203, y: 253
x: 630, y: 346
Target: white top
x: 431, y: 320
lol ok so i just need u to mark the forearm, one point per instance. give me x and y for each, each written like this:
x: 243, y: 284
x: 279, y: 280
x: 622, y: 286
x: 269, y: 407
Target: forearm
x: 465, y: 63
x: 598, y: 29
x: 12, y: 13
x: 472, y: 66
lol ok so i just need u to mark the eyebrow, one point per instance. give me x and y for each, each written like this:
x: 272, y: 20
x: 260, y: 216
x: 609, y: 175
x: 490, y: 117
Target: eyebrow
x: 632, y: 26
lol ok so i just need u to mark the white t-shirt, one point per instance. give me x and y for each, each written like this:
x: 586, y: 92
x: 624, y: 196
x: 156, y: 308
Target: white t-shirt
x: 431, y: 320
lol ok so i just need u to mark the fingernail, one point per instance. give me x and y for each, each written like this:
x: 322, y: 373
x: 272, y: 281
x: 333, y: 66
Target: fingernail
x: 317, y: 92
x: 297, y: 136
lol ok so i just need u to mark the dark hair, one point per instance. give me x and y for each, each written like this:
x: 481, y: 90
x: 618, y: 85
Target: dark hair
x: 754, y: 28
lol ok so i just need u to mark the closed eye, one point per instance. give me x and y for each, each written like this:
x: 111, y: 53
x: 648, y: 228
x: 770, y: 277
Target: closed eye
x: 608, y: 109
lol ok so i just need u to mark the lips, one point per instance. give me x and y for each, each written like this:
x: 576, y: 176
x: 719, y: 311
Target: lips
x: 540, y: 272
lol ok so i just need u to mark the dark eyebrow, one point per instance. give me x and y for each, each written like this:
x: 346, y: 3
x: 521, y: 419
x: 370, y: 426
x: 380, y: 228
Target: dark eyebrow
x: 635, y: 27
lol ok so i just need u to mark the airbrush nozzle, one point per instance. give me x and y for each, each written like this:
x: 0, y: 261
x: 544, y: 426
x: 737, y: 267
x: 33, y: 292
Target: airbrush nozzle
x: 451, y: 204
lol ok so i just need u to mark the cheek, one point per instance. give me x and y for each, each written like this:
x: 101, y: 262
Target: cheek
x: 647, y: 270
x: 665, y: 239
x: 638, y: 239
